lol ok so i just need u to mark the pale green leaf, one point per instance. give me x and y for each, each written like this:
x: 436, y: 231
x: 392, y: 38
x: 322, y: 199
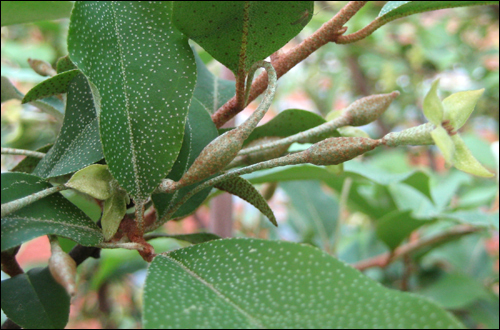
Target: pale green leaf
x: 464, y: 160
x: 250, y: 283
x: 143, y: 75
x: 459, y: 106
x: 445, y: 143
x: 433, y: 108
x: 94, y: 180
x: 114, y: 210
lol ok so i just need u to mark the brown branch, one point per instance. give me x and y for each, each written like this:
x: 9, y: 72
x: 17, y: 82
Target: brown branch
x: 330, y: 31
x: 9, y: 262
x: 385, y: 259
x: 361, y: 34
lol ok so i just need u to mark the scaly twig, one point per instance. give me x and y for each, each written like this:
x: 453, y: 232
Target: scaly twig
x: 23, y: 152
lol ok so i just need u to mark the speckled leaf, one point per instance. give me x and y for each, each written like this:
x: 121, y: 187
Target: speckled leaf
x: 393, y: 228
x: 17, y: 12
x: 78, y: 143
x: 246, y: 191
x: 397, y: 9
x: 64, y: 64
x: 51, y: 215
x: 28, y: 164
x: 144, y: 74
x: 254, y: 35
x: 200, y: 131
x: 196, y: 238
x: 249, y: 283
x: 35, y: 300
x: 211, y: 91
x: 57, y: 84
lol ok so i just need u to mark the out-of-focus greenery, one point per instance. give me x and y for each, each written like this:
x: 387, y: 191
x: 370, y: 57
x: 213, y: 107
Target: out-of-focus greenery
x: 458, y: 45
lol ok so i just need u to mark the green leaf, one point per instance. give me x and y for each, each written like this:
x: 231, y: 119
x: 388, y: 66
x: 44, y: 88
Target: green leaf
x: 114, y: 210
x: 248, y: 30
x: 445, y: 143
x: 17, y: 12
x: 94, y: 180
x: 464, y: 160
x: 459, y: 106
x: 246, y: 191
x: 51, y: 215
x: 475, y: 218
x: 288, y: 122
x: 433, y: 108
x: 250, y: 283
x: 200, y: 131
x: 57, y: 84
x: 454, y: 291
x: 35, y: 300
x: 78, y: 143
x: 196, y: 238
x: 211, y: 91
x: 64, y: 64
x: 397, y: 9
x: 9, y: 91
x: 28, y: 164
x: 142, y: 114
x: 397, y: 226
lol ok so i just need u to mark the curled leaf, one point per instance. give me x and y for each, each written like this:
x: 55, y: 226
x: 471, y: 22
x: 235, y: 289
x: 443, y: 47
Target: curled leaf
x: 57, y: 84
x: 114, y: 210
x: 94, y: 180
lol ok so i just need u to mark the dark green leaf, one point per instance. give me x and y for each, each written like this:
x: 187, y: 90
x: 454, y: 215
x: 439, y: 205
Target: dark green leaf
x: 210, y: 91
x: 17, y: 12
x: 143, y: 76
x: 397, y: 9
x: 78, y: 144
x: 249, y: 283
x: 51, y: 215
x: 28, y: 164
x: 200, y: 131
x: 64, y: 64
x: 269, y: 26
x: 57, y: 84
x: 246, y: 191
x: 35, y: 300
x: 396, y: 226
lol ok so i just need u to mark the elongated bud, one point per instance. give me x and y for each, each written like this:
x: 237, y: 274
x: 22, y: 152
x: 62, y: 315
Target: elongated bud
x: 334, y: 151
x: 367, y: 109
x: 41, y: 67
x: 259, y: 156
x: 414, y: 136
x: 62, y: 267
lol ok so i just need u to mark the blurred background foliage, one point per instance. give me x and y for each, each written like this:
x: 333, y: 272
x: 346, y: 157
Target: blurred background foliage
x: 352, y: 215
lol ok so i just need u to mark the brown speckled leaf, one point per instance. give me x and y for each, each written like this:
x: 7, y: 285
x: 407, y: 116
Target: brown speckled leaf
x: 245, y: 190
x: 55, y: 85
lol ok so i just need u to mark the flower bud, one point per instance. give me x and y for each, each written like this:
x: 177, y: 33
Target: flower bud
x: 334, y: 151
x: 414, y: 136
x: 367, y: 109
x: 63, y: 268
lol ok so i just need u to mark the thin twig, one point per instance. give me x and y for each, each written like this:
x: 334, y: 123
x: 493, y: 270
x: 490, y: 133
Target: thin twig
x: 385, y: 259
x: 330, y: 31
x: 119, y: 245
x: 18, y: 204
x: 12, y: 151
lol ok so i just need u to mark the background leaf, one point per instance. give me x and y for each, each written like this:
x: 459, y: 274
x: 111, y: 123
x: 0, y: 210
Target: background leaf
x: 78, y: 143
x: 142, y: 116
x: 270, y: 27
x: 51, y: 215
x: 17, y: 12
x: 290, y: 285
x: 28, y: 164
x: 35, y: 300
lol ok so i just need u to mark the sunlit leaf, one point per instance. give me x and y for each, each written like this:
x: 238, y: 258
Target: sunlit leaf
x: 464, y: 160
x: 433, y: 108
x: 459, y: 106
x: 94, y: 180
x: 445, y: 143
